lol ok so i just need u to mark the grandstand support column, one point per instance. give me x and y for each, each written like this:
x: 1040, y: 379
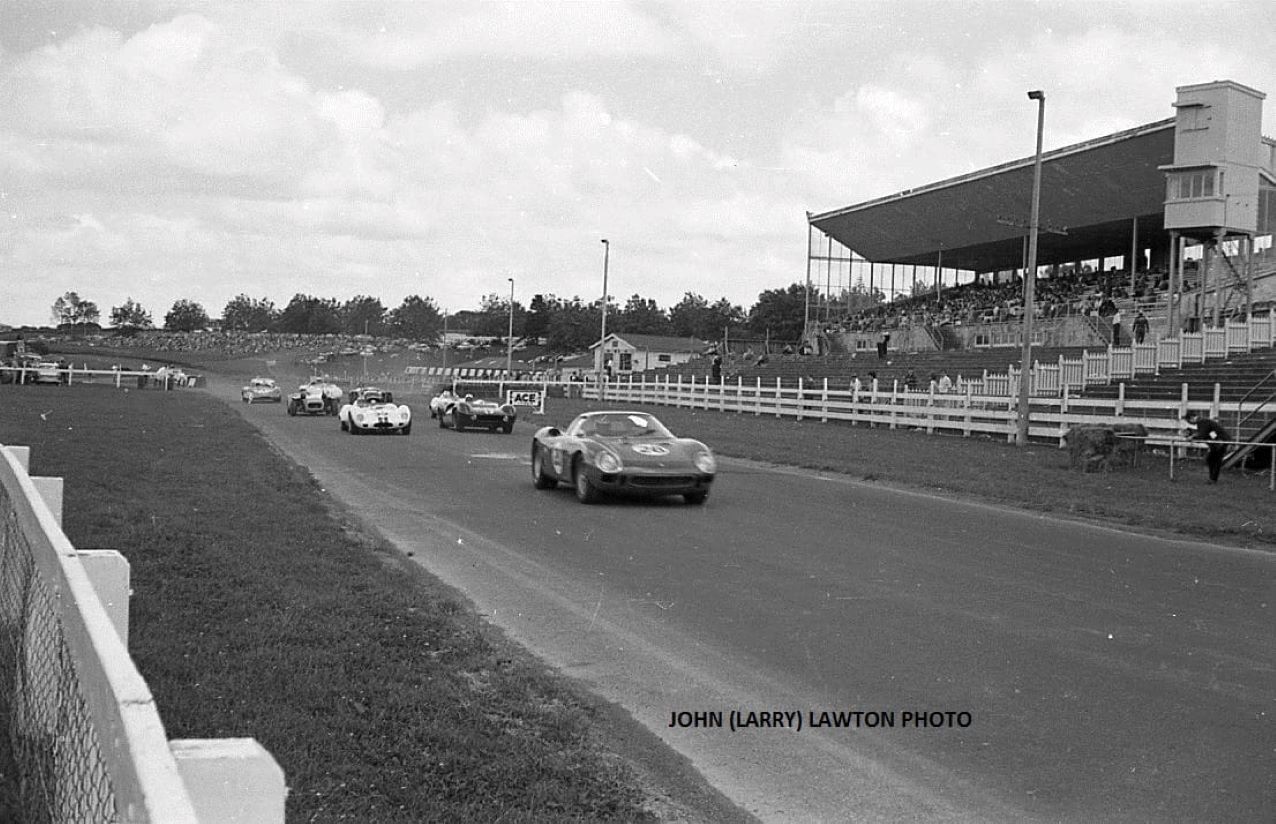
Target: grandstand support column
x: 1030, y: 276
x: 1134, y: 252
x: 1176, y: 287
x: 806, y: 311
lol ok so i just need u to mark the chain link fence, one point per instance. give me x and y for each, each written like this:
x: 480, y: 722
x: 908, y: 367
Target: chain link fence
x: 52, y: 746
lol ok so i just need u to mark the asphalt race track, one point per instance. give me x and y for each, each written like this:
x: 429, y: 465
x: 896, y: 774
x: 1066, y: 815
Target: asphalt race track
x: 1034, y: 669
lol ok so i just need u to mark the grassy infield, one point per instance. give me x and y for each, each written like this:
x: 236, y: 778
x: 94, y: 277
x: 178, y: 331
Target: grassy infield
x: 261, y: 610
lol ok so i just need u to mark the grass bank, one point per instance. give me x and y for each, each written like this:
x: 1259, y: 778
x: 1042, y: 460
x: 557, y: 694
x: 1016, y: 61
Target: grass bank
x: 260, y: 610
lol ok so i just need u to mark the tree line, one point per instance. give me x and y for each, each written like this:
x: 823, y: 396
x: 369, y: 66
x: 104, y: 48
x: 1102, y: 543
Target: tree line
x: 565, y: 324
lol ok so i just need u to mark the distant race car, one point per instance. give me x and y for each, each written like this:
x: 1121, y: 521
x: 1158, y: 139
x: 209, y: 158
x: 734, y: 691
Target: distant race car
x: 371, y: 410
x: 262, y: 389
x: 627, y: 453
x: 318, y: 396
x: 474, y: 413
x: 47, y: 372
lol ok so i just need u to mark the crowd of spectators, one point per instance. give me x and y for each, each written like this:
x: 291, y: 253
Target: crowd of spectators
x: 987, y: 301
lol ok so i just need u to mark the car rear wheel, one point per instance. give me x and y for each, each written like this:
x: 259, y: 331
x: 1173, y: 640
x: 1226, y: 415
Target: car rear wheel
x: 586, y: 492
x: 507, y: 428
x: 695, y: 498
x: 456, y: 420
x: 407, y: 430
x: 539, y: 478
x: 292, y: 409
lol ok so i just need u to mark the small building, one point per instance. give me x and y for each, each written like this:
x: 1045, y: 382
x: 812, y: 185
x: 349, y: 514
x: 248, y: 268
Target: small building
x: 631, y: 354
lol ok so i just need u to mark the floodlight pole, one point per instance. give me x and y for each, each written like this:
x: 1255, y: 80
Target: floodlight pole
x: 1030, y: 276
x: 602, y: 340
x: 509, y: 341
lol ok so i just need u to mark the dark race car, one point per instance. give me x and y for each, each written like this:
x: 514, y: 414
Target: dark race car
x: 628, y: 453
x: 473, y: 413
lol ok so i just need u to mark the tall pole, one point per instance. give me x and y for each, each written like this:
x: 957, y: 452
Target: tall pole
x: 509, y: 342
x: 1030, y: 275
x: 445, y: 338
x: 602, y: 340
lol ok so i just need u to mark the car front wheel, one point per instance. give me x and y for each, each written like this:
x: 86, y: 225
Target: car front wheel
x: 695, y: 498
x: 540, y: 479
x: 586, y: 492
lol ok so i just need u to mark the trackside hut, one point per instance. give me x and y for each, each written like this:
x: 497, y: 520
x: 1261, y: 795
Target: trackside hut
x: 631, y: 353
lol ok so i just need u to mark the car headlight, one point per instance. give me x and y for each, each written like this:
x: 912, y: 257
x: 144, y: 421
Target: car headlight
x: 706, y: 464
x: 607, y: 462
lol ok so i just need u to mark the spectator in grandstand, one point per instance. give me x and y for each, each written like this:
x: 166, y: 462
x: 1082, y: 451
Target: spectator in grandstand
x: 856, y: 385
x: 1116, y: 328
x: 945, y: 383
x: 882, y: 346
x: 715, y: 367
x: 910, y: 380
x: 1140, y: 327
x: 1208, y: 430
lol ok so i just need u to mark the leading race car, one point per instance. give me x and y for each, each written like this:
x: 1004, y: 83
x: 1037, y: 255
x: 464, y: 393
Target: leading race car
x: 261, y: 389
x: 372, y: 410
x: 318, y: 396
x: 628, y: 453
x: 474, y: 413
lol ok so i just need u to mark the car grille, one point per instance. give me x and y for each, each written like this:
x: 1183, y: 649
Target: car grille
x: 660, y: 481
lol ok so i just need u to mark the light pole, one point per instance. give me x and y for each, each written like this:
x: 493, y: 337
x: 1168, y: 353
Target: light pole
x: 509, y: 342
x: 602, y: 340
x: 1030, y: 275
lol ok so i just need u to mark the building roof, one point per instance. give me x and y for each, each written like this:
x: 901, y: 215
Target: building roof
x: 978, y: 222
x: 656, y: 343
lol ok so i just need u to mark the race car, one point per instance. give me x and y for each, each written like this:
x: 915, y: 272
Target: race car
x: 372, y: 410
x: 47, y: 372
x: 262, y: 389
x: 474, y: 413
x: 441, y: 403
x: 318, y: 396
x: 622, y: 452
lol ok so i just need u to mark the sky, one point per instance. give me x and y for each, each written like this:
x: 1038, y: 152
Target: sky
x: 164, y: 151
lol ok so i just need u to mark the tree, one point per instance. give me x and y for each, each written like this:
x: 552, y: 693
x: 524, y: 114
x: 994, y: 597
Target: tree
x: 71, y: 309
x: 694, y: 317
x: 186, y: 316
x: 306, y: 314
x: 363, y: 315
x: 781, y: 313
x: 539, y: 314
x: 417, y: 318
x: 573, y: 327
x: 130, y: 316
x: 642, y: 316
x: 245, y: 314
x: 493, y: 317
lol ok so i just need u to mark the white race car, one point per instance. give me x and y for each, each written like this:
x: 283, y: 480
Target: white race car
x: 318, y: 396
x: 372, y: 410
x: 442, y: 402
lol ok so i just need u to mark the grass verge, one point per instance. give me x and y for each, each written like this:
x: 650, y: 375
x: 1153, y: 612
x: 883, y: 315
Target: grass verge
x: 261, y: 611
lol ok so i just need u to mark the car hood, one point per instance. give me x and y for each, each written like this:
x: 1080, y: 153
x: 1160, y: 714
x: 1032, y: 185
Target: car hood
x: 653, y: 452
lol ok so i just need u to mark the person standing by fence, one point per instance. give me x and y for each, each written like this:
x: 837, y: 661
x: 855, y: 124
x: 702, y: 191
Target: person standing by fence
x: 1213, y: 434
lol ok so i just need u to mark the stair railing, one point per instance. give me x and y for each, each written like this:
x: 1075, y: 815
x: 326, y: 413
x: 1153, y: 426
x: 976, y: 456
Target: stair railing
x: 1269, y: 378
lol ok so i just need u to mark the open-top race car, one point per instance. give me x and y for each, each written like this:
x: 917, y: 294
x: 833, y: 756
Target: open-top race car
x: 318, y: 396
x: 441, y: 403
x: 373, y: 410
x: 469, y: 412
x: 261, y: 389
x: 629, y: 453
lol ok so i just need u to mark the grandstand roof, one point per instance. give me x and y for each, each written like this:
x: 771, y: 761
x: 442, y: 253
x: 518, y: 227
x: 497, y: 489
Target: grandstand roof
x: 1092, y: 190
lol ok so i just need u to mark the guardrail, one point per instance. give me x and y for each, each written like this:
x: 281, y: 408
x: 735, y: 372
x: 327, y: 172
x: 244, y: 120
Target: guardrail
x: 119, y: 377
x: 84, y: 729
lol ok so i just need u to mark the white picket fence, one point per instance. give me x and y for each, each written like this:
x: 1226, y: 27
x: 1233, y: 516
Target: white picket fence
x: 896, y: 407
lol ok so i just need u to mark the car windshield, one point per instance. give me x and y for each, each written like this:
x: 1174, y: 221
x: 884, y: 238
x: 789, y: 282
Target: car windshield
x: 621, y: 425
x: 370, y: 400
